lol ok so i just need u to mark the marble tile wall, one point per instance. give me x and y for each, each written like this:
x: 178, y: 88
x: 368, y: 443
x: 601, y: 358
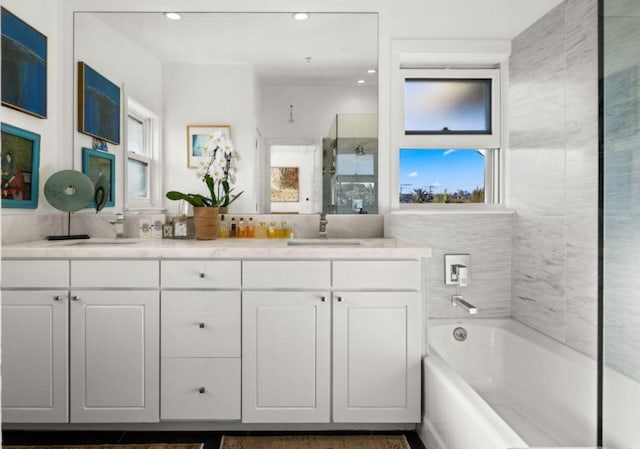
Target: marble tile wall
x: 553, y: 172
x: 622, y: 191
x: 486, y: 237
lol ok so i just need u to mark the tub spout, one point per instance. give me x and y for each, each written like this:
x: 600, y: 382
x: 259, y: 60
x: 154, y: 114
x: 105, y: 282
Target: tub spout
x: 459, y: 301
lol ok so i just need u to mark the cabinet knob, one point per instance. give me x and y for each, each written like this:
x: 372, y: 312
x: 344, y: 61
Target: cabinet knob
x: 339, y: 298
x: 75, y: 298
x: 201, y: 390
x: 201, y: 325
x: 57, y: 298
x: 323, y: 298
x: 201, y: 275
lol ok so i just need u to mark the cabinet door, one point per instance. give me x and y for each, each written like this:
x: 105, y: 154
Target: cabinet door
x: 115, y: 356
x: 376, y: 350
x: 34, y: 356
x: 285, y: 357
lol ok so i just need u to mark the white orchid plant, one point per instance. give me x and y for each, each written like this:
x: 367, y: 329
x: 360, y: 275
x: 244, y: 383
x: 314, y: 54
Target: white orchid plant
x: 217, y: 169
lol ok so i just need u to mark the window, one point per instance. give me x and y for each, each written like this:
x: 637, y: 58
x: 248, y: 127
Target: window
x: 447, y: 106
x: 142, y: 156
x: 448, y: 136
x: 443, y: 175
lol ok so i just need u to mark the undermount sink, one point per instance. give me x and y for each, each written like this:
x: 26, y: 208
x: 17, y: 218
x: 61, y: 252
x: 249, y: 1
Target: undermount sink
x: 325, y: 243
x: 102, y: 242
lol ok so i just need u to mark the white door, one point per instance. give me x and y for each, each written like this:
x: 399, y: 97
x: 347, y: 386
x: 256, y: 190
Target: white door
x: 376, y: 357
x: 35, y: 356
x: 286, y: 357
x: 115, y: 356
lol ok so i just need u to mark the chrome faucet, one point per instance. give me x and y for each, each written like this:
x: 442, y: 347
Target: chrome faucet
x: 323, y: 225
x: 459, y: 301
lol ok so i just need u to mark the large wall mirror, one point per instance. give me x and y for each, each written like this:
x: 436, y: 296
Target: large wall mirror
x: 299, y: 98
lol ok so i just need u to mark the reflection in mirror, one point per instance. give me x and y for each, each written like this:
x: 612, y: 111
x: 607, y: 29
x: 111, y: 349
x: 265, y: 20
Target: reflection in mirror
x: 281, y: 85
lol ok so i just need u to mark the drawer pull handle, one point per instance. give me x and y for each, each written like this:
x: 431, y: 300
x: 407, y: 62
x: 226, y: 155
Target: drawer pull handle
x: 201, y: 275
x: 57, y: 298
x: 323, y: 298
x: 339, y: 298
x: 75, y: 298
x: 201, y: 390
x: 201, y: 325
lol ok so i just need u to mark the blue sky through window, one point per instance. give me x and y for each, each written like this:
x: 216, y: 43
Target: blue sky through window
x: 441, y: 169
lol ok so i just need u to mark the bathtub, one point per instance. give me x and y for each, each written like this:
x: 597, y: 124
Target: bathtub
x: 505, y: 386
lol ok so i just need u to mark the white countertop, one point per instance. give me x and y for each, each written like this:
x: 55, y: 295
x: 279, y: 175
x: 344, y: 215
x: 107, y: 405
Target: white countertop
x: 96, y: 248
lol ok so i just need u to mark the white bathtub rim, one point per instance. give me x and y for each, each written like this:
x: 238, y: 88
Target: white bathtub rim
x: 463, y: 392
x: 520, y: 330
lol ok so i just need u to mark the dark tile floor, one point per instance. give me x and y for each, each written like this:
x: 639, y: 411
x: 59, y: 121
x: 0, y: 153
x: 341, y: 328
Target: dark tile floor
x: 211, y: 440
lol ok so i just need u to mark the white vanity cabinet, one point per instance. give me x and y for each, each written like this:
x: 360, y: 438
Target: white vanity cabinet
x: 200, y: 334
x: 286, y: 337
x: 359, y: 337
x: 114, y: 341
x: 35, y: 333
x: 377, y: 317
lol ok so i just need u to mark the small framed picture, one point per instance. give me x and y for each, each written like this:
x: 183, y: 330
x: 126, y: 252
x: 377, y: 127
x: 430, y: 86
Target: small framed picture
x: 183, y: 227
x: 167, y: 231
x: 20, y: 167
x: 198, y: 137
x: 100, y: 167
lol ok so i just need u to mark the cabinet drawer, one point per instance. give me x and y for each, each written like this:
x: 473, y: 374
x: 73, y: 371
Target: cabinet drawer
x: 115, y: 273
x: 200, y: 273
x: 286, y: 274
x: 200, y: 323
x: 35, y: 273
x: 377, y: 274
x: 200, y: 389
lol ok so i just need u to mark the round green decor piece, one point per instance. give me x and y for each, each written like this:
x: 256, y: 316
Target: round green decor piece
x: 69, y: 190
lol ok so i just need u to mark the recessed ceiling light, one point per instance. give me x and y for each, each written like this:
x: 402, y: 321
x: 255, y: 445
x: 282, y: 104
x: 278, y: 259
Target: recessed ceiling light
x: 172, y: 15
x: 301, y: 16
x: 361, y: 81
x: 371, y: 71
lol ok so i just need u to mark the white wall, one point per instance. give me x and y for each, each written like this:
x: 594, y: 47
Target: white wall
x: 314, y: 109
x: 124, y: 63
x: 208, y: 95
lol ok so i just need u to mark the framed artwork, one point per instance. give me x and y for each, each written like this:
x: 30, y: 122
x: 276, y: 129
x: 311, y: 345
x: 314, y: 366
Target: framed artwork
x: 100, y: 167
x: 197, y: 139
x: 20, y: 167
x: 24, y: 66
x: 285, y: 184
x: 98, y: 105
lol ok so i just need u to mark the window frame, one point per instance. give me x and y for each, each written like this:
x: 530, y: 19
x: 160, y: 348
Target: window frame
x: 151, y: 143
x: 491, y: 141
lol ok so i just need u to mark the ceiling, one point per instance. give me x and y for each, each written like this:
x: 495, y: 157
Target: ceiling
x: 337, y: 47
x: 328, y: 48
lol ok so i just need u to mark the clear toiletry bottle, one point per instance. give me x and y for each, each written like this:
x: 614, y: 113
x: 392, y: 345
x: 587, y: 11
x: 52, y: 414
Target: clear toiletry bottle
x: 242, y: 228
x: 223, y: 228
x: 272, y: 232
x: 251, y: 229
x: 261, y: 231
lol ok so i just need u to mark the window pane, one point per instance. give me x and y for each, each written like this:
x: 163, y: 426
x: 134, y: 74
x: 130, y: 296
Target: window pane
x: 137, y: 179
x: 441, y: 176
x: 356, y: 197
x: 447, y: 106
x: 135, y: 136
x: 355, y: 164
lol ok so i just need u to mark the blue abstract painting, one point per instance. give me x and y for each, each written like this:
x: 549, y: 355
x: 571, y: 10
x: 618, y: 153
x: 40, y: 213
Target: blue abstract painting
x: 98, y: 105
x: 24, y: 66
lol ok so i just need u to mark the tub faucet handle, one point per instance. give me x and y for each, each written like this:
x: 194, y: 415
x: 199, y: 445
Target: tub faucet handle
x: 461, y: 274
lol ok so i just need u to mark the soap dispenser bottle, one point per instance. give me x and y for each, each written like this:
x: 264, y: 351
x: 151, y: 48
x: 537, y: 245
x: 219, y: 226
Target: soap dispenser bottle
x: 251, y: 229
